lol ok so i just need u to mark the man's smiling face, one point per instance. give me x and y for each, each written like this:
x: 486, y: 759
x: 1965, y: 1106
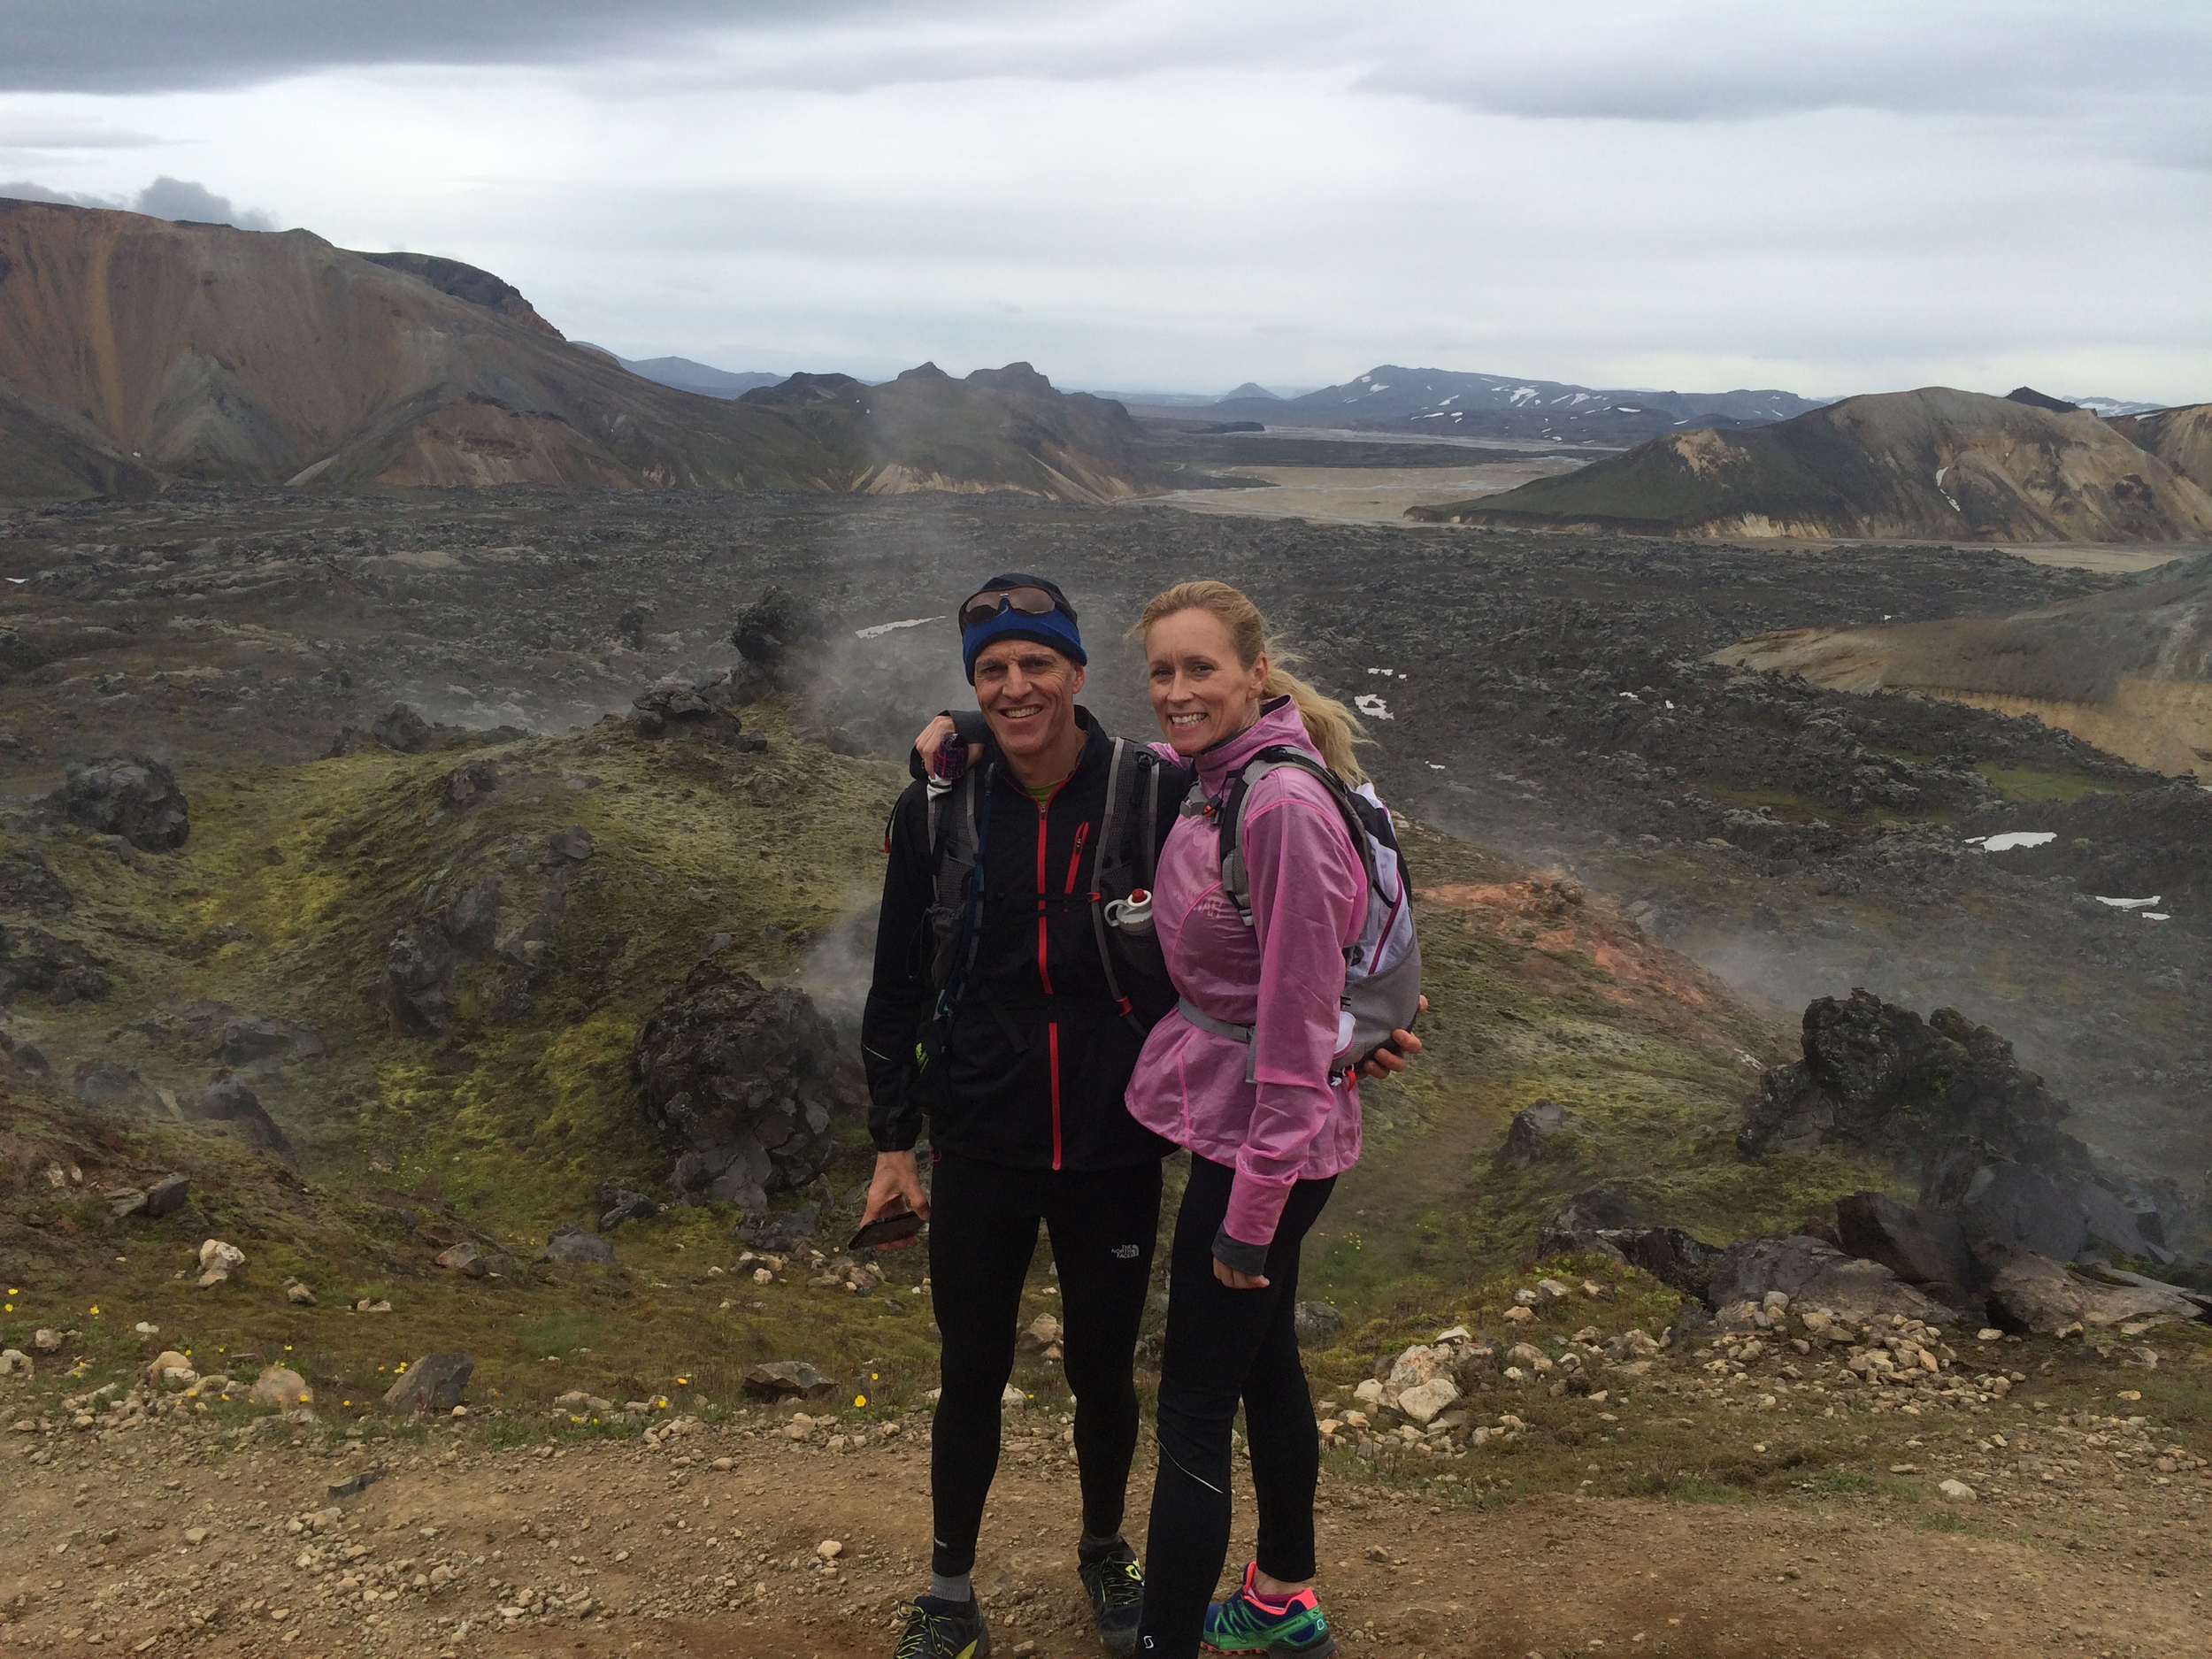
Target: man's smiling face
x: 1027, y: 693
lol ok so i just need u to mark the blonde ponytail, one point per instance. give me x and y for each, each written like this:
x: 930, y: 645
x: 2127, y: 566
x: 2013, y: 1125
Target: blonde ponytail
x: 1331, y: 727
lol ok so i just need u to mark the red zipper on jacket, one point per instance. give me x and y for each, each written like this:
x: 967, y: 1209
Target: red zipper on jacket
x: 1044, y: 968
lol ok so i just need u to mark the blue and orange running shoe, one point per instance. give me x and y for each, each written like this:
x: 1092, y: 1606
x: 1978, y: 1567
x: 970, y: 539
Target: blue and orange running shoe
x: 1248, y: 1622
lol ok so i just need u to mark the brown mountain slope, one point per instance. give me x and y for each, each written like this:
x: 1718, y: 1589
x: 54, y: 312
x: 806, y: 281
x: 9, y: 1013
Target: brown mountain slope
x: 2129, y: 670
x: 2181, y: 437
x: 1934, y: 463
x: 205, y: 351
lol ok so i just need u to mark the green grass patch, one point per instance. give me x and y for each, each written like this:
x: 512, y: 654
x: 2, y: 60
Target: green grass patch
x: 2034, y: 786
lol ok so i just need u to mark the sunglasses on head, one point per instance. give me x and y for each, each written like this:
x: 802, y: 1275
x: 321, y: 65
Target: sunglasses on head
x: 1031, y: 601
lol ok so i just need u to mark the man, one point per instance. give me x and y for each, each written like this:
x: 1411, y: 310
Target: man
x: 1001, y: 1009
x: 1031, y: 1051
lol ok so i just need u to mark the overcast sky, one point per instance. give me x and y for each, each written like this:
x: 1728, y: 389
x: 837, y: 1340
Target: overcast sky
x: 1154, y: 194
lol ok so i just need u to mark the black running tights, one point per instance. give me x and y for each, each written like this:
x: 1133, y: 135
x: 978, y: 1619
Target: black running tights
x: 1224, y: 1346
x: 982, y: 1231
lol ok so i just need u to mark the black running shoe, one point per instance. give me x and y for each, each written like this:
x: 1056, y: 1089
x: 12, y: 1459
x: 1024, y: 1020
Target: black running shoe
x: 942, y: 1630
x: 1114, y: 1584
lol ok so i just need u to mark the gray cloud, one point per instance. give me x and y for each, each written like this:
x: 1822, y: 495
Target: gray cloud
x: 154, y: 45
x: 24, y: 191
x: 182, y: 199
x: 166, y: 197
x: 1701, y: 60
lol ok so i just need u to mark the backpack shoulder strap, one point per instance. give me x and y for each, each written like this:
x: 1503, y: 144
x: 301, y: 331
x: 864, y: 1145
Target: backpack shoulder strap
x: 1235, y: 878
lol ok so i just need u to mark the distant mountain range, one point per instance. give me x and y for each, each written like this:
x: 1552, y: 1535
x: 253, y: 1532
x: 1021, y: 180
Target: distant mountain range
x: 1936, y: 462
x: 687, y: 376
x: 1447, y: 402
x: 134, y: 350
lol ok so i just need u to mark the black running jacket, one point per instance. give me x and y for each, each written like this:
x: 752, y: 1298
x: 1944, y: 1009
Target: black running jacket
x: 1038, y: 1055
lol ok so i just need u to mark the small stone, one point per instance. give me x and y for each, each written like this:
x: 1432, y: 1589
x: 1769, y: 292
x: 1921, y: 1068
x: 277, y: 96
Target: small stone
x: 787, y: 1379
x: 219, y: 1258
x: 171, y: 1368
x: 281, y: 1388
x: 1521, y: 1315
x: 46, y: 1341
x: 1041, y: 1332
x: 299, y: 1294
x: 434, y: 1383
x: 14, y: 1362
x: 1423, y: 1400
x: 195, y: 1534
x: 829, y: 1550
x: 1989, y: 1333
x: 146, y: 1328
x: 1956, y: 1490
x: 1013, y: 1398
x: 465, y: 1259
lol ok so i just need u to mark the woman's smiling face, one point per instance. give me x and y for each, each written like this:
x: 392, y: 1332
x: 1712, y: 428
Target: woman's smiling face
x: 1200, y: 692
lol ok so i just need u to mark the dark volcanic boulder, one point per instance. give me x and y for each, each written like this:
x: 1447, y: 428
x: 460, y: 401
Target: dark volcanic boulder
x: 418, y: 970
x: 1877, y: 1076
x: 32, y: 959
x: 436, y: 1382
x: 400, y: 727
x: 1925, y: 1248
x: 131, y: 797
x: 1534, y: 1134
x: 778, y: 636
x: 744, y: 1079
x: 227, y: 1100
x: 571, y: 1245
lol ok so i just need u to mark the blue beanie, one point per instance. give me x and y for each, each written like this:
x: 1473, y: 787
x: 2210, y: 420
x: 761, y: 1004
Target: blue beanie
x: 1055, y: 629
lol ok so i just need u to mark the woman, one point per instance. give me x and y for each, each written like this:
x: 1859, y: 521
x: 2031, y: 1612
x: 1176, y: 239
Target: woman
x: 1242, y: 1075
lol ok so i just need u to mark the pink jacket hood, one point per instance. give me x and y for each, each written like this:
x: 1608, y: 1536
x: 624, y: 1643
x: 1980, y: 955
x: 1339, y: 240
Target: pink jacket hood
x: 1283, y: 976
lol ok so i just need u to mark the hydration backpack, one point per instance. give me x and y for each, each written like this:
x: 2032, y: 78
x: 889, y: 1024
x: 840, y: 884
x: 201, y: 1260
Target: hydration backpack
x: 1382, y: 969
x: 1122, y: 860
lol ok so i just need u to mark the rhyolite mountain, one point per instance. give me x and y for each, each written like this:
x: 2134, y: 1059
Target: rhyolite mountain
x: 134, y: 350
x: 1935, y: 463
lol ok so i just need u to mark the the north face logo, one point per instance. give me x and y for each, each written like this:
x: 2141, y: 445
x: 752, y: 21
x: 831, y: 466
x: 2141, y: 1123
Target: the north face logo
x: 1125, y: 1252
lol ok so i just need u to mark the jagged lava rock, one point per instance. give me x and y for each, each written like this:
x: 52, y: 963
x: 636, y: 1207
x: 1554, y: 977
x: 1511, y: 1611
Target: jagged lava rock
x: 776, y: 635
x: 744, y: 1079
x: 1877, y: 1075
x: 132, y: 796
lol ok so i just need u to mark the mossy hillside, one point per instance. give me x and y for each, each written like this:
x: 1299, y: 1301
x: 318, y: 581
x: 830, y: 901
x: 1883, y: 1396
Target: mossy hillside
x: 1653, y: 1074
x: 660, y: 1326
x: 296, y: 881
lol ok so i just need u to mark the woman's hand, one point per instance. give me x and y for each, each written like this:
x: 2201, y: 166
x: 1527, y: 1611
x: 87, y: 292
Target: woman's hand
x: 1235, y: 1280
x: 1382, y: 1062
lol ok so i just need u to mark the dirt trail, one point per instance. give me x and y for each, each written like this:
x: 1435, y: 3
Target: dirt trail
x: 707, y: 1544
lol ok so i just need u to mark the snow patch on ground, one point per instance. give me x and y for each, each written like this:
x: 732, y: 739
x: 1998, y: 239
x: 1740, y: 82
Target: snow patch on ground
x: 2011, y: 839
x: 1373, y: 706
x: 882, y: 628
x: 2128, y: 904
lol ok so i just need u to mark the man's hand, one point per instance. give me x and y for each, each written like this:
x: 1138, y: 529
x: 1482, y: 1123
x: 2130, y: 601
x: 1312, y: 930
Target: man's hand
x: 1382, y: 1062
x: 896, y: 1177
x: 931, y: 743
x: 1235, y: 1280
